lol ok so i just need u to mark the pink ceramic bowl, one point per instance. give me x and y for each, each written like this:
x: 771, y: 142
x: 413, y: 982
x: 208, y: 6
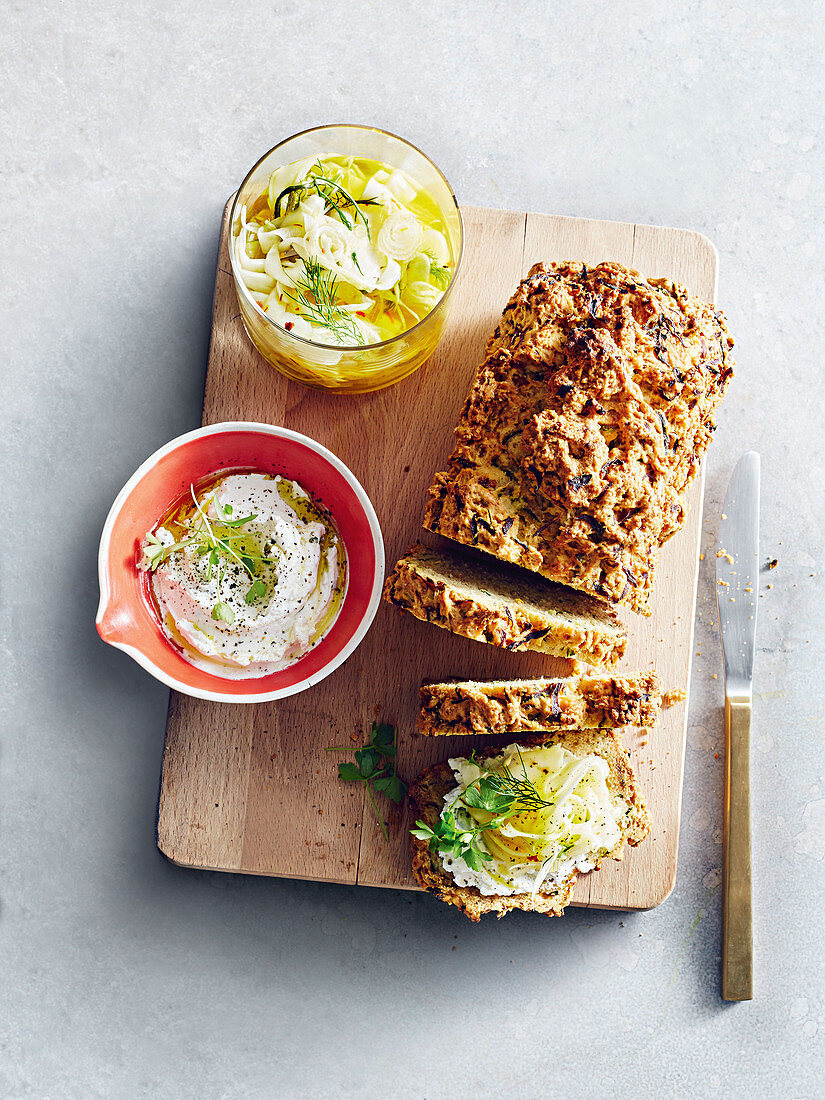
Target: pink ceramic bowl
x: 126, y: 617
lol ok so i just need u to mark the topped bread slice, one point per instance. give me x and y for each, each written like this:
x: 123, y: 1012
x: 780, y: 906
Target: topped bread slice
x: 584, y: 427
x: 506, y: 607
x: 436, y: 871
x: 529, y: 706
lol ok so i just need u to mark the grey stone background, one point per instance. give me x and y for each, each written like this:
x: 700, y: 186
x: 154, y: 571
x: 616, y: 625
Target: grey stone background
x: 124, y: 128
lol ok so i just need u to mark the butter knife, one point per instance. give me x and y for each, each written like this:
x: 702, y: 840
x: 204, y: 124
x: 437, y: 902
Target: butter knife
x: 737, y: 584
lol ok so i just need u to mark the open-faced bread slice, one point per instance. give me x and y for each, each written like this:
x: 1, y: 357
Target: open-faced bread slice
x: 505, y: 606
x: 529, y: 706
x: 427, y: 802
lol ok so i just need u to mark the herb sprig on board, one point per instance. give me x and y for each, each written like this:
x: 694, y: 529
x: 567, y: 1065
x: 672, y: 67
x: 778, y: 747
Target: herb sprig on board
x: 223, y: 543
x: 502, y: 794
x: 375, y: 766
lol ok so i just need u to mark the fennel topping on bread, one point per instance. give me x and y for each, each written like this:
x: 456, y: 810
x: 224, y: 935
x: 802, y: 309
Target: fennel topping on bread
x: 526, y: 819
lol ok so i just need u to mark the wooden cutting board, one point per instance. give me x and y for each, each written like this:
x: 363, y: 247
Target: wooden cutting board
x: 250, y: 788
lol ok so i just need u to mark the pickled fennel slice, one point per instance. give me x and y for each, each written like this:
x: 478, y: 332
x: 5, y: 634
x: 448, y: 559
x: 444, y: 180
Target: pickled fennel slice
x: 528, y: 817
x: 343, y: 251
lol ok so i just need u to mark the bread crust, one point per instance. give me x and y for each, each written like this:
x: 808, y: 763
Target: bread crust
x: 585, y: 426
x: 529, y: 706
x: 504, y: 607
x: 427, y: 801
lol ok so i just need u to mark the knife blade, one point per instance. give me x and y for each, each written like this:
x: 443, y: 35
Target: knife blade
x: 737, y: 582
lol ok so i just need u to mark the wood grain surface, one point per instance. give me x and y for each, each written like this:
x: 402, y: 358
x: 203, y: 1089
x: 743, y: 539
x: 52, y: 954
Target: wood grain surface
x: 250, y: 788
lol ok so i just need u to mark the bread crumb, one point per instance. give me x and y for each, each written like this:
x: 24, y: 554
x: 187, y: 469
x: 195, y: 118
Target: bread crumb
x: 671, y: 698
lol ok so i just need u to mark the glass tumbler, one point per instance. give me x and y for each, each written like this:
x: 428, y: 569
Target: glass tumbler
x: 329, y: 366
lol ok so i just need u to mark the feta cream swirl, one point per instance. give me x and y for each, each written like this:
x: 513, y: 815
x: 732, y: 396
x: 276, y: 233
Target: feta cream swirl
x: 248, y: 576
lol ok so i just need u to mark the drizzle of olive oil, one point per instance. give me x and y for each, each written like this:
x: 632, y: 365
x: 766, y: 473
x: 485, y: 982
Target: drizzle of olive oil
x: 310, y: 512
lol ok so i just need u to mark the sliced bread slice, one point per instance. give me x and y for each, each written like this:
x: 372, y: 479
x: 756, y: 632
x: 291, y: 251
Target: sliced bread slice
x: 505, y: 606
x: 427, y: 802
x: 528, y: 706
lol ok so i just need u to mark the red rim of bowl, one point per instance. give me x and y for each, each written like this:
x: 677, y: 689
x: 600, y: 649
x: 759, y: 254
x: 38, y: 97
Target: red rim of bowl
x: 126, y: 617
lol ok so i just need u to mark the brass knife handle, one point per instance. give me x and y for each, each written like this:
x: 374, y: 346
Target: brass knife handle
x: 737, y: 928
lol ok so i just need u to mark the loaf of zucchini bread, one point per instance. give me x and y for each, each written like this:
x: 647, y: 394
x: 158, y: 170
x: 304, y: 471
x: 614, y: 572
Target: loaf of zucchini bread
x: 584, y: 427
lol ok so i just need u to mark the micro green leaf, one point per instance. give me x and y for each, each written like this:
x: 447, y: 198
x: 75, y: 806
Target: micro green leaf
x: 223, y: 613
x: 239, y: 522
x: 257, y: 589
x: 423, y: 831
